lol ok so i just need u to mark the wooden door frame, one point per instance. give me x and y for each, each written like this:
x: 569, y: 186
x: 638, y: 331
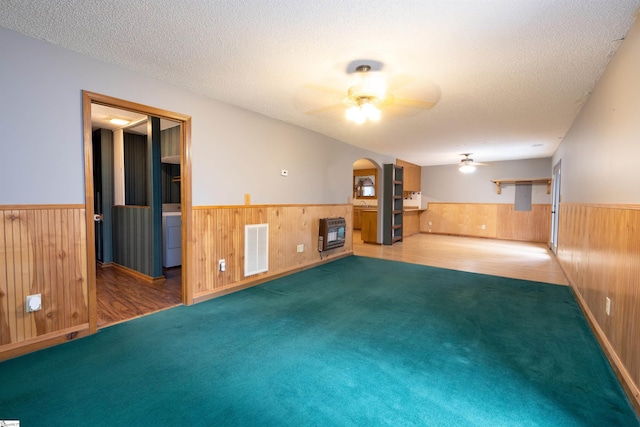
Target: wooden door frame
x: 555, y: 206
x: 89, y: 98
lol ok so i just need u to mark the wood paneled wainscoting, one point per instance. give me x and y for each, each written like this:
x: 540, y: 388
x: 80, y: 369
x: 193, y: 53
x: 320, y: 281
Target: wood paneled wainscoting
x: 218, y: 233
x: 599, y: 251
x: 42, y: 251
x: 492, y: 220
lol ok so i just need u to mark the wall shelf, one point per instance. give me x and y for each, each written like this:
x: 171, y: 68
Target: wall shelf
x: 500, y: 182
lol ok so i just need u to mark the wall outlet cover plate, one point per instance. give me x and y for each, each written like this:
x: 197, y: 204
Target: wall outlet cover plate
x: 34, y: 302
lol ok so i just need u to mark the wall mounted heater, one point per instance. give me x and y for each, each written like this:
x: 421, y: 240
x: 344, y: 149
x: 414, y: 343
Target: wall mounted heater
x: 332, y: 233
x: 256, y: 249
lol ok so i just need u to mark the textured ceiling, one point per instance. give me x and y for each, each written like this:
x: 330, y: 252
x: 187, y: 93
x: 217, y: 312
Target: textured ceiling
x: 508, y: 76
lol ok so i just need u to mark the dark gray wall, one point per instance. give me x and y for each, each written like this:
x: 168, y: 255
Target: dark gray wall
x: 135, y: 170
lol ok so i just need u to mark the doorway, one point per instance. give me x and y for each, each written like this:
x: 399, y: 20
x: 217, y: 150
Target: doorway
x: 131, y: 291
x: 367, y: 190
x: 555, y: 206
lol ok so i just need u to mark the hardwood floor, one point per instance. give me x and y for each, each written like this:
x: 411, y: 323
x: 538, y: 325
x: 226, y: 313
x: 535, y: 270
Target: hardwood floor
x: 518, y: 260
x: 123, y: 297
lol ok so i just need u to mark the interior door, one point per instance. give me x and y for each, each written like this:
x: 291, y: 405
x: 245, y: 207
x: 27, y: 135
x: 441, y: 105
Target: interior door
x: 97, y: 197
x: 555, y: 207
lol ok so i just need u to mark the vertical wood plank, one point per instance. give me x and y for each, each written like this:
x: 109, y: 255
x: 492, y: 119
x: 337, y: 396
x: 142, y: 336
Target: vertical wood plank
x: 20, y: 269
x: 5, y: 331
x: 49, y: 271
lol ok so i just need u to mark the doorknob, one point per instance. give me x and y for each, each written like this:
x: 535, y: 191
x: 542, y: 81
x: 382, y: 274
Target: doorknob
x: 97, y: 217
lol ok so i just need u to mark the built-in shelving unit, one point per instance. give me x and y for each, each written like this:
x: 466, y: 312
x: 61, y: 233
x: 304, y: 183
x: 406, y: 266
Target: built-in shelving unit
x: 500, y: 182
x: 392, y: 204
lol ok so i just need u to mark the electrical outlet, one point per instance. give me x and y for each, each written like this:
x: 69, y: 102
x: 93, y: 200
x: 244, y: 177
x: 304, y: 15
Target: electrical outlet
x: 430, y: 223
x: 607, y: 307
x: 284, y: 172
x: 34, y: 302
x: 300, y: 248
x: 222, y: 265
x: 484, y: 227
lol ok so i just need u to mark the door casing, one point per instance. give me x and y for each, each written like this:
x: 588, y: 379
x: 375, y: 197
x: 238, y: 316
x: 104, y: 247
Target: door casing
x: 555, y: 207
x: 89, y: 98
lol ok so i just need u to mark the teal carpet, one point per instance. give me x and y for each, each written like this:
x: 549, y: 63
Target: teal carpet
x: 356, y: 342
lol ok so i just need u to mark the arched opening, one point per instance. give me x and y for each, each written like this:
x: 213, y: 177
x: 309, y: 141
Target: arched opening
x: 367, y: 191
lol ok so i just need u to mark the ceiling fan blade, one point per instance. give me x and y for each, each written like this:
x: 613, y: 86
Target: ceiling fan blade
x: 324, y: 89
x: 399, y: 80
x: 471, y: 164
x: 324, y: 109
x: 412, y: 103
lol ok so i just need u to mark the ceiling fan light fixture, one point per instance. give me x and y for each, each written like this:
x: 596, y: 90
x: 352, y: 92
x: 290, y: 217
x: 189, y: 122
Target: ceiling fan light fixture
x: 368, y: 84
x: 371, y: 112
x: 466, y: 164
x: 467, y: 168
x: 363, y: 112
x: 355, y: 115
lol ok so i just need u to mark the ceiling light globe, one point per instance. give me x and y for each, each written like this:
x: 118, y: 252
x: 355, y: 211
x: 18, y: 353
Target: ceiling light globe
x: 370, y: 112
x: 467, y: 168
x: 361, y: 118
x: 375, y: 114
x: 367, y: 109
x: 353, y: 113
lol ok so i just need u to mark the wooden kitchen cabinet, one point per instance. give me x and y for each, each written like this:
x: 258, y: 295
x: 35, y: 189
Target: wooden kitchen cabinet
x: 412, y: 176
x: 357, y: 218
x: 369, y: 231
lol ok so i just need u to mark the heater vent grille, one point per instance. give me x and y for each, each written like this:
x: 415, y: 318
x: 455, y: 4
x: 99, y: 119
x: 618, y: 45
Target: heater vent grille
x: 256, y: 249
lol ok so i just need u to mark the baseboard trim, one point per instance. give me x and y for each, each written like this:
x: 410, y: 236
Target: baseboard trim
x: 248, y: 283
x: 137, y: 274
x: 104, y: 264
x: 618, y: 367
x: 9, y: 351
x: 481, y: 237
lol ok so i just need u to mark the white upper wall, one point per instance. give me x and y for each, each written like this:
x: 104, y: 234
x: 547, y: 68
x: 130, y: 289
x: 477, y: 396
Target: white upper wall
x: 447, y: 184
x: 234, y: 151
x: 601, y: 150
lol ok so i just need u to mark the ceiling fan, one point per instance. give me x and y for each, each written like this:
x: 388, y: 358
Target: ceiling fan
x: 467, y: 165
x: 369, y: 94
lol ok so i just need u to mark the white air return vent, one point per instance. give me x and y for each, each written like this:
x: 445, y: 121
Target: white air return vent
x: 256, y: 249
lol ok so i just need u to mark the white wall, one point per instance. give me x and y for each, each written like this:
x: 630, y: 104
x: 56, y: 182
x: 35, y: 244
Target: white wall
x: 447, y: 184
x: 234, y: 151
x: 601, y: 152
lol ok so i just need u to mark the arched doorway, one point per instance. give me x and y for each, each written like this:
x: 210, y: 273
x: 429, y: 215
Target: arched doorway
x: 366, y: 194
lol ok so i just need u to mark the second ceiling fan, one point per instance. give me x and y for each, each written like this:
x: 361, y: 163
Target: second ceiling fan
x: 467, y: 165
